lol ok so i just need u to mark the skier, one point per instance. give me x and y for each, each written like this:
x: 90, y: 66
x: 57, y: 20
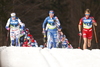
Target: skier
x: 26, y: 30
x: 26, y: 43
x: 65, y: 43
x: 60, y: 36
x: 51, y: 24
x: 29, y: 40
x: 13, y: 24
x: 22, y: 34
x: 26, y: 33
x: 34, y: 43
x: 87, y: 23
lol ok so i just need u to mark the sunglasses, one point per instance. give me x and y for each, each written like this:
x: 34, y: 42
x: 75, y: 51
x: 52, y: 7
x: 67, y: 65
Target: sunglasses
x: 13, y: 16
x: 87, y: 14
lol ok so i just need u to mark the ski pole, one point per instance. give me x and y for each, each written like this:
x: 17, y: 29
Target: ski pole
x: 79, y: 42
x: 95, y: 35
x: 7, y: 37
x: 44, y: 39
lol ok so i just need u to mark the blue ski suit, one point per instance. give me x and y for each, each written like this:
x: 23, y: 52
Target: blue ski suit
x: 51, y: 25
x: 14, y: 26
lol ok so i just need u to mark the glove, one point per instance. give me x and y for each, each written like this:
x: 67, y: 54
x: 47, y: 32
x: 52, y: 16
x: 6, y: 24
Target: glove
x: 80, y: 34
x: 8, y: 28
x: 22, y: 32
x: 59, y: 30
x: 44, y: 31
x: 22, y: 28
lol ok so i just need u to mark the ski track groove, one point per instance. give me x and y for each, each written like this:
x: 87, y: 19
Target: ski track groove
x: 50, y: 59
x: 44, y: 58
x: 60, y: 57
x: 55, y: 57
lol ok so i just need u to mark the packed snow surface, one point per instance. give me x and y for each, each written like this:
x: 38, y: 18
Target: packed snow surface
x: 56, y: 57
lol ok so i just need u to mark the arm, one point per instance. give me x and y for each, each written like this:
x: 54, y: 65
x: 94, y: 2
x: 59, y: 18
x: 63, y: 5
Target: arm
x: 8, y: 23
x: 80, y: 25
x: 20, y: 23
x: 47, y: 26
x: 58, y: 23
x: 44, y: 24
x: 94, y: 22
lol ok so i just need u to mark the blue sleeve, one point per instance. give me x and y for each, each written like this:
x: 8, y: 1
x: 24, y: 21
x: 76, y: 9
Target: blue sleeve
x: 6, y: 27
x: 22, y: 27
x: 60, y: 27
x: 44, y: 23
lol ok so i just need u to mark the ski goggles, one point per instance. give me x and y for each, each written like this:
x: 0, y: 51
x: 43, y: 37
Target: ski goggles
x: 87, y: 14
x: 13, y: 17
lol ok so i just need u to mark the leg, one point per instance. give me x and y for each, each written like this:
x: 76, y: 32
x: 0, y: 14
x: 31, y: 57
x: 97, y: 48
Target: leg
x: 22, y: 40
x: 58, y: 40
x: 17, y: 35
x: 89, y: 42
x: 85, y: 38
x: 89, y: 38
x: 85, y: 43
x: 12, y: 39
x: 59, y: 45
x: 16, y: 41
x: 49, y: 40
x: 54, y: 34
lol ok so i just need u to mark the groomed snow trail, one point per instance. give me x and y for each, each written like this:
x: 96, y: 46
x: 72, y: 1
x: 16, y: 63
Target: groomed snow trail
x: 37, y: 57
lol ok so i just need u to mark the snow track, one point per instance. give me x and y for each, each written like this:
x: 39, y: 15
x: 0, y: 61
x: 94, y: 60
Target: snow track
x: 37, y: 57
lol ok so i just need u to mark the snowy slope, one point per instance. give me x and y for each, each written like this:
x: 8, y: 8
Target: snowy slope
x: 37, y: 57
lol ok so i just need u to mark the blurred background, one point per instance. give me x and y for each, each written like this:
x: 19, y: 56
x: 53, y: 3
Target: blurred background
x: 33, y: 13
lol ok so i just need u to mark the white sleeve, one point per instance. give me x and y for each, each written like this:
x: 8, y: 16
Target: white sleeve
x: 20, y: 22
x: 8, y: 23
x: 57, y: 21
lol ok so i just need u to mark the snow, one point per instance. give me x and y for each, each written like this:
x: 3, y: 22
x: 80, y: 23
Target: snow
x: 56, y: 57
